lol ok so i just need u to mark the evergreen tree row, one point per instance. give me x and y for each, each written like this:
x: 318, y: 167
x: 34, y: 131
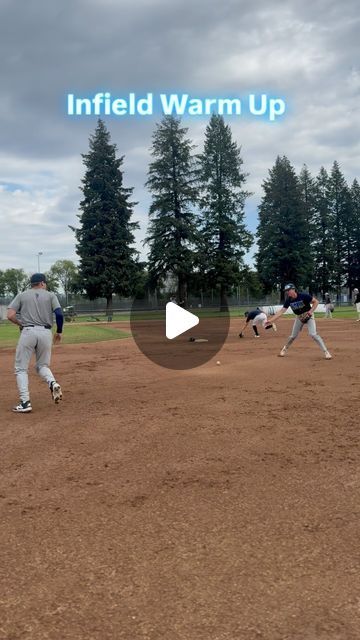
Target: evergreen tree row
x: 309, y: 230
x: 197, y: 229
x: 196, y: 233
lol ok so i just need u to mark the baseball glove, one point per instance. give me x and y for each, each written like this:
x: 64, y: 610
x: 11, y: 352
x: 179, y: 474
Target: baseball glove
x: 305, y: 317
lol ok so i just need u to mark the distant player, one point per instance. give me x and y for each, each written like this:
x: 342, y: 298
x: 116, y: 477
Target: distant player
x: 303, y: 305
x: 258, y: 317
x: 357, y: 303
x: 33, y: 311
x: 329, y: 307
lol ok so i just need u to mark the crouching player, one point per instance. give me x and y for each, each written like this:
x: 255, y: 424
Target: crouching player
x: 303, y: 305
x: 258, y: 317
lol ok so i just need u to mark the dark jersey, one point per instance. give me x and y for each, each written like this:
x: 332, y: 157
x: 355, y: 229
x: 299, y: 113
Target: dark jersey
x: 357, y: 298
x: 299, y: 305
x: 327, y: 300
x: 252, y: 314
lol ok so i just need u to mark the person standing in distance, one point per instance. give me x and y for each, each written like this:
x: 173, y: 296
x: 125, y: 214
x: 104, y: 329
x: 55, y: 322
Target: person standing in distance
x: 303, y: 305
x: 357, y: 303
x: 329, y: 307
x: 33, y: 311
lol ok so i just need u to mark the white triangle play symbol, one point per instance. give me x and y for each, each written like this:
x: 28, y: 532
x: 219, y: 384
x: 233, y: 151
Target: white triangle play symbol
x: 178, y: 320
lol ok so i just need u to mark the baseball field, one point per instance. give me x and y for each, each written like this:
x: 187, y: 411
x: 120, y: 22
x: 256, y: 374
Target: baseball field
x: 217, y: 503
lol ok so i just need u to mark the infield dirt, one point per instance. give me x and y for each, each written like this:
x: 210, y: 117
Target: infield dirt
x: 218, y: 503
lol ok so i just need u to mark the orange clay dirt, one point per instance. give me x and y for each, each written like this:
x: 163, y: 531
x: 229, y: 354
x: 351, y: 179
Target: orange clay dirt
x: 219, y: 503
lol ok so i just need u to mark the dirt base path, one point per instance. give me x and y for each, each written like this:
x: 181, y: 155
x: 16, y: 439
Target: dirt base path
x: 220, y: 503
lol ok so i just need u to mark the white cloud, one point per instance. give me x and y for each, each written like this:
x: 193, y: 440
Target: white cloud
x: 304, y: 52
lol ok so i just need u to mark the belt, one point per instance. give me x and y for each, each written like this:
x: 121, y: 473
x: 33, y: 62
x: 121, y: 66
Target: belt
x: 45, y: 326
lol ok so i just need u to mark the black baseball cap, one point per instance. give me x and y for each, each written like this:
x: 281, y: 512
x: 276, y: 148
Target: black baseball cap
x: 36, y: 278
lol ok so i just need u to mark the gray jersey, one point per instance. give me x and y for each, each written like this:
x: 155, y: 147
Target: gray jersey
x: 35, y: 307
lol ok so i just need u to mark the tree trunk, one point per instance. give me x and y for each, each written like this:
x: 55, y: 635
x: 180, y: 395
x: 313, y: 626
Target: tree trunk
x: 282, y: 294
x: 109, y: 307
x: 223, y: 299
x: 182, y: 291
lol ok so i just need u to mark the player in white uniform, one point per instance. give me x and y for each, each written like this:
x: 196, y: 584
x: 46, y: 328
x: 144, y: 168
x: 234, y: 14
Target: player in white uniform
x: 258, y: 317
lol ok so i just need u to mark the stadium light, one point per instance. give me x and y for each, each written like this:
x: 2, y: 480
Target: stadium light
x: 38, y: 257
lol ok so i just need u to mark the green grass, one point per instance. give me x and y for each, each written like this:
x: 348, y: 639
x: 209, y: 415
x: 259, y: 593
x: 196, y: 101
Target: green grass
x: 340, y: 312
x: 73, y: 334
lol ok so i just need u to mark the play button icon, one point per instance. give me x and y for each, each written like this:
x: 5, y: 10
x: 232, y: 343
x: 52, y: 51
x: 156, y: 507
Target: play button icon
x: 175, y: 338
x: 178, y: 320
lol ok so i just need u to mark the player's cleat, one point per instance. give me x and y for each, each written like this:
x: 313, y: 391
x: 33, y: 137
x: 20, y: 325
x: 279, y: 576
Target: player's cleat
x: 256, y: 336
x: 328, y: 355
x: 283, y: 352
x: 56, y: 392
x: 23, y: 407
x: 274, y: 327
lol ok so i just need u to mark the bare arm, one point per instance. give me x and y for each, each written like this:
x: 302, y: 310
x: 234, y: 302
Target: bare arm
x: 277, y: 315
x: 244, y: 327
x: 57, y: 338
x: 315, y: 304
x: 11, y: 315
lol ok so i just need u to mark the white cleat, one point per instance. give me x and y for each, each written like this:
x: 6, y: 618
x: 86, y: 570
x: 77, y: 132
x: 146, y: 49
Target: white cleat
x: 328, y: 355
x: 23, y: 407
x: 283, y: 352
x: 56, y: 392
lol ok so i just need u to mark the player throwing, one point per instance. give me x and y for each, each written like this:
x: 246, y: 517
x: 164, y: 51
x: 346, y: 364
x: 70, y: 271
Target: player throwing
x: 303, y: 305
x: 258, y: 316
x: 33, y: 311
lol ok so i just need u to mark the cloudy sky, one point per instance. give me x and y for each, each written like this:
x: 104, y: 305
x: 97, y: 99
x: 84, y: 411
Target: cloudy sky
x: 306, y: 52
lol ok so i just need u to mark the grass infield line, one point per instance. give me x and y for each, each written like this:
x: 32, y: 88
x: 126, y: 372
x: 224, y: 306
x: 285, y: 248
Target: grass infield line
x: 73, y: 334
x: 83, y: 331
x: 340, y: 312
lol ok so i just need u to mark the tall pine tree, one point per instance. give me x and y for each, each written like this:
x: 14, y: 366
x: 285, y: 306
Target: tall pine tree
x: 323, y: 242
x: 224, y: 238
x: 307, y: 190
x: 108, y: 261
x: 354, y: 271
x: 283, y: 239
x: 171, y: 181
x: 340, y: 208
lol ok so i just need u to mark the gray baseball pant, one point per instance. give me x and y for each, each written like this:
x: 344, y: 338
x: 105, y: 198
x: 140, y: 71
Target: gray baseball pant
x: 311, y: 327
x: 328, y: 313
x: 36, y: 340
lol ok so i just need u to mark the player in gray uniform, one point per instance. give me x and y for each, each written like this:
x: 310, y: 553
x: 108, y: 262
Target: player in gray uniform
x: 33, y: 312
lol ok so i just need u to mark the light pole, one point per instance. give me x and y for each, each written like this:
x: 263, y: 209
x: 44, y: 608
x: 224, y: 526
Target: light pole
x: 38, y: 257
